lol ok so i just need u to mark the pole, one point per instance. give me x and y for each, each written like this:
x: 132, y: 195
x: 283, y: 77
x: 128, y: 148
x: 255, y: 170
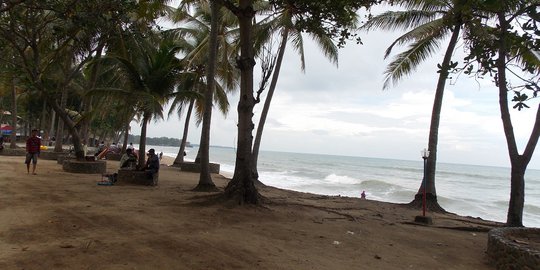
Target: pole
x: 424, y: 191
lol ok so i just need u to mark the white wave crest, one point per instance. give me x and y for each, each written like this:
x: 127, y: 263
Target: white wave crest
x: 341, y: 179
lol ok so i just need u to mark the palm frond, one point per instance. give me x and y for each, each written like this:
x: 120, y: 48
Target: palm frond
x: 328, y: 47
x: 399, y: 20
x: 298, y: 45
x: 407, y: 61
x: 426, y: 5
x: 220, y: 98
x: 425, y: 30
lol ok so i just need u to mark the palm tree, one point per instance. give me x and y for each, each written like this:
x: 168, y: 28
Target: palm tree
x: 152, y: 79
x: 428, y: 23
x: 210, y: 37
x: 284, y: 22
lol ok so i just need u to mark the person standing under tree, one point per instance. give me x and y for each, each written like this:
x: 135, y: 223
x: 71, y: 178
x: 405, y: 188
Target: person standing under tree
x: 33, y: 147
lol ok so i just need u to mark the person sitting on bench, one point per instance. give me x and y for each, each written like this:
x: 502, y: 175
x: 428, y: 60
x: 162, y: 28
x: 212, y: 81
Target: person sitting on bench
x: 128, y: 160
x: 152, y: 165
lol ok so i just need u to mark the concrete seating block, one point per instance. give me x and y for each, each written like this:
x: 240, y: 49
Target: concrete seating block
x: 47, y: 155
x: 12, y: 152
x: 89, y: 167
x: 113, y: 156
x: 135, y: 177
x: 196, y: 167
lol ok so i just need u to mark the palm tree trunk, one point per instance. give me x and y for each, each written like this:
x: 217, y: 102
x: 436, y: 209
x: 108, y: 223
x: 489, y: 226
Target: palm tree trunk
x: 198, y: 156
x: 267, y: 101
x: 87, y: 101
x: 76, y: 139
x: 142, y: 141
x: 241, y: 188
x: 13, y: 136
x: 60, y: 128
x: 126, y: 138
x: 180, y: 156
x: 205, y: 179
x: 86, y: 123
x: 431, y: 193
x: 51, y: 129
x: 43, y: 114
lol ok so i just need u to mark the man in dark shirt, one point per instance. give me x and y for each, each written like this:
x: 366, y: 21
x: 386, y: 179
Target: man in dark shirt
x: 152, y: 165
x: 33, y: 147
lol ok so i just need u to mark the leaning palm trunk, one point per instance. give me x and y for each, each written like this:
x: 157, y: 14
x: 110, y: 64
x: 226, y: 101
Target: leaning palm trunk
x: 126, y: 138
x: 266, y: 106
x: 66, y: 120
x: 431, y: 194
x: 142, y: 141
x: 51, y: 128
x: 205, y: 179
x: 86, y: 121
x: 87, y: 101
x: 42, y: 124
x: 13, y: 136
x: 60, y: 128
x: 180, y: 156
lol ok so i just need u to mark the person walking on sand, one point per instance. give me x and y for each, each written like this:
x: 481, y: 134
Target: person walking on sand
x: 33, y: 147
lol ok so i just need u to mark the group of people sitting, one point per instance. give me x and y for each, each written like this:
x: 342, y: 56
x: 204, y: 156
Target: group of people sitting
x: 128, y: 161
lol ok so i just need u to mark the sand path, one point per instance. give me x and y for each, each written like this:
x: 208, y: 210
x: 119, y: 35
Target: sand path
x: 59, y: 220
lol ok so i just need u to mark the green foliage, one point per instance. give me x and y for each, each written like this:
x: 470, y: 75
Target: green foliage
x: 427, y: 23
x: 520, y: 99
x: 161, y: 141
x: 333, y: 18
x: 521, y: 42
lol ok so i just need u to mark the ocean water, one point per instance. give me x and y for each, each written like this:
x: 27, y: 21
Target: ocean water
x: 468, y: 190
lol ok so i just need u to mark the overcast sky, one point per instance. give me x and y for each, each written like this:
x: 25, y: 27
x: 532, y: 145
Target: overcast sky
x: 344, y: 111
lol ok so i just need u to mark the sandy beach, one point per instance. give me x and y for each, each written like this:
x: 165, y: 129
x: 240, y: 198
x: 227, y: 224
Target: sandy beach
x: 60, y: 220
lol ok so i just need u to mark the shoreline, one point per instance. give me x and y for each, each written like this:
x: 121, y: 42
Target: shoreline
x: 59, y: 220
x: 488, y: 216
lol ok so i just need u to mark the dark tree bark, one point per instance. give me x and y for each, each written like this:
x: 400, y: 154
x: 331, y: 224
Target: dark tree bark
x: 13, y: 136
x: 241, y: 188
x: 518, y: 162
x: 142, y: 140
x: 267, y: 101
x: 205, y: 179
x: 431, y: 193
x: 60, y: 128
x: 126, y: 138
x: 77, y: 145
x: 180, y: 156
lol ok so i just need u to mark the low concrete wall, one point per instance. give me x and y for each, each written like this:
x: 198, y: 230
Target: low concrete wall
x: 136, y: 178
x: 12, y: 152
x: 51, y: 155
x: 196, y: 167
x: 74, y: 166
x: 113, y: 156
x: 60, y: 159
x: 509, y: 254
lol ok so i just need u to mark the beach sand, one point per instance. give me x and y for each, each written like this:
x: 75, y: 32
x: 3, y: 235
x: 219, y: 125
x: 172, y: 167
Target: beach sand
x: 60, y: 220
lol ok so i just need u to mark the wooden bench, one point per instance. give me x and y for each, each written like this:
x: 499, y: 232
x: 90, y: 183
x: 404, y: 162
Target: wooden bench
x: 136, y: 177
